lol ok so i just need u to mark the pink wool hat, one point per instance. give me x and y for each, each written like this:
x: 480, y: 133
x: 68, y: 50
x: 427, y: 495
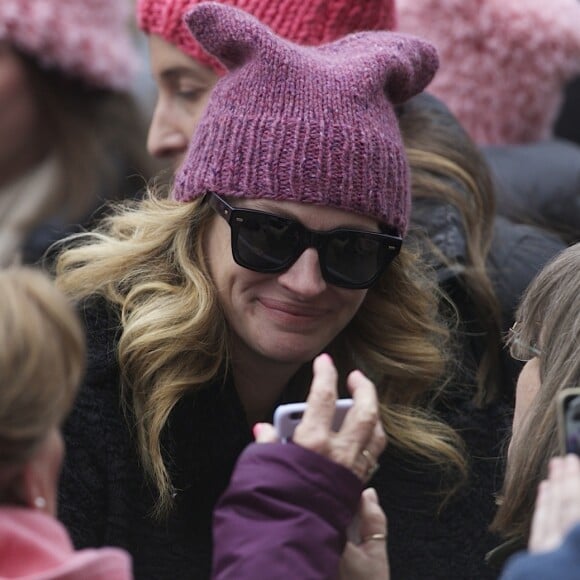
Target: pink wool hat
x: 504, y: 63
x: 87, y: 39
x: 308, y: 124
x: 309, y: 22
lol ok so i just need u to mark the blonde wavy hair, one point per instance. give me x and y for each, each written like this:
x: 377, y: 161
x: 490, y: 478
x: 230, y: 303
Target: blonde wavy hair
x: 147, y: 260
x: 42, y: 360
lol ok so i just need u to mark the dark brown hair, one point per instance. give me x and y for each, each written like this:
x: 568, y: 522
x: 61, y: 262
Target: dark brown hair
x: 447, y: 166
x: 98, y: 137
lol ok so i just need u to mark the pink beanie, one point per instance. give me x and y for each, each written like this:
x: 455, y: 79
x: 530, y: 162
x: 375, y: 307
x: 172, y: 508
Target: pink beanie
x: 309, y: 22
x: 504, y: 63
x: 88, y: 39
x: 308, y: 124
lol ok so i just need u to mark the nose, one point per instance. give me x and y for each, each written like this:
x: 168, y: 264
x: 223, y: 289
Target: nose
x: 165, y: 140
x: 304, y: 277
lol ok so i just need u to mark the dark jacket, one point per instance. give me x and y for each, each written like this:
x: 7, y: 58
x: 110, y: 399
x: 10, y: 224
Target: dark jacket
x: 105, y: 498
x: 124, y: 184
x: 283, y: 516
x: 518, y: 252
x: 540, y: 183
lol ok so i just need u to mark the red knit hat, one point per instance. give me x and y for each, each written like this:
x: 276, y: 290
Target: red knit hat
x: 307, y: 22
x: 86, y: 39
x: 504, y: 63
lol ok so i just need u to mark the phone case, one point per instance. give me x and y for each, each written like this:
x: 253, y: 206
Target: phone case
x: 287, y: 417
x: 569, y: 420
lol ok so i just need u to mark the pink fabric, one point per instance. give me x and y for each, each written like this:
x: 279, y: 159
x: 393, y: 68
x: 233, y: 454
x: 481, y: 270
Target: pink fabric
x: 504, y: 63
x: 310, y: 22
x: 307, y: 124
x: 35, y: 546
x: 86, y: 39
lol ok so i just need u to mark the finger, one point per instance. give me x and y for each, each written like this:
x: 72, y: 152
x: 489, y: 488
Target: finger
x: 371, y: 454
x: 540, y: 529
x: 555, y: 468
x: 320, y: 402
x: 568, y: 490
x: 378, y: 441
x: 373, y: 521
x: 362, y: 417
x: 265, y: 433
x: 572, y: 464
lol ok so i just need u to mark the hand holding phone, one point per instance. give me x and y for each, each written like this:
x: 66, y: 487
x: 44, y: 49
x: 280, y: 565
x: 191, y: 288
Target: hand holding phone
x: 348, y: 431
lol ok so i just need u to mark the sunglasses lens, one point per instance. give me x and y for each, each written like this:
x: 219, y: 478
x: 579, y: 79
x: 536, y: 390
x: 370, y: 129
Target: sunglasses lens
x: 265, y: 243
x: 353, y: 259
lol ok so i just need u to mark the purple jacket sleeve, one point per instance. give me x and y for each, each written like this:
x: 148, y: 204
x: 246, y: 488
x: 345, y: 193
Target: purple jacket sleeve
x: 284, y: 515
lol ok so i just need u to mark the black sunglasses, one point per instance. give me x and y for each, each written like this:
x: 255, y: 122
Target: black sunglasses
x: 268, y: 243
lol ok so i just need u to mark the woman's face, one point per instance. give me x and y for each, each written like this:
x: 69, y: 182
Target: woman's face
x: 526, y: 390
x: 183, y: 87
x: 19, y: 122
x: 288, y: 317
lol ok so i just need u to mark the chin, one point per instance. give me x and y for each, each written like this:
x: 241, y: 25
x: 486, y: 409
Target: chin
x: 291, y: 353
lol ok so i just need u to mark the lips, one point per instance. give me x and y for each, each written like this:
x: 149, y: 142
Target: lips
x: 293, y: 309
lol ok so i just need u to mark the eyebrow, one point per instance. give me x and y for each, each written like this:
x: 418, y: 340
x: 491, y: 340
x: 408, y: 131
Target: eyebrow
x: 176, y: 72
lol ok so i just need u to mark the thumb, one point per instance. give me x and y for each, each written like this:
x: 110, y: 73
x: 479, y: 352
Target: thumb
x: 373, y: 521
x: 265, y: 433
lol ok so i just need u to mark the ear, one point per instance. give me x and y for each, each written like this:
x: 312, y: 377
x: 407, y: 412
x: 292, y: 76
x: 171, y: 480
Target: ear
x: 39, y: 476
x: 31, y: 485
x: 229, y: 34
x: 401, y: 65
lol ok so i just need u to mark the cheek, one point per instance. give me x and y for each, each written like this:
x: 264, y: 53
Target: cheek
x: 352, y: 299
x: 217, y: 251
x: 526, y: 391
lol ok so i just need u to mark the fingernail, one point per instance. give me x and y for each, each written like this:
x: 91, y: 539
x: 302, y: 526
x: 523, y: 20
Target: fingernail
x: 256, y: 430
x: 371, y: 493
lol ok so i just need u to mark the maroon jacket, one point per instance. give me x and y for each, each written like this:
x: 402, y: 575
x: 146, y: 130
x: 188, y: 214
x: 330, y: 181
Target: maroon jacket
x: 284, y: 515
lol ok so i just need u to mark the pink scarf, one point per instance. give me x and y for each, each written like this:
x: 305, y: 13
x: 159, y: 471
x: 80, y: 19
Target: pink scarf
x: 35, y: 546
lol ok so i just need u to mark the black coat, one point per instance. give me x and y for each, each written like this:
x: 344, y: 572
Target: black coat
x: 105, y: 498
x: 539, y: 182
x: 518, y: 252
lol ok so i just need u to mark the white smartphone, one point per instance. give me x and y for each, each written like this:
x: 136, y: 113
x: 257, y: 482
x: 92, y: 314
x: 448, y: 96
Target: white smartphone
x: 287, y: 417
x: 569, y: 420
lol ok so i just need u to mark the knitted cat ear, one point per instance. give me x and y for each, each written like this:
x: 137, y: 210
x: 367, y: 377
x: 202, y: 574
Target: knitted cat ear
x: 401, y: 64
x: 232, y: 36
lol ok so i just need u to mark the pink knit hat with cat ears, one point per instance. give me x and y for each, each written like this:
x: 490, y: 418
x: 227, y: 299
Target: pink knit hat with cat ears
x: 308, y: 22
x: 86, y: 39
x: 504, y: 63
x: 307, y: 124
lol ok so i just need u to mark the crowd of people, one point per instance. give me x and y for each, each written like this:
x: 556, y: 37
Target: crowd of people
x: 338, y: 214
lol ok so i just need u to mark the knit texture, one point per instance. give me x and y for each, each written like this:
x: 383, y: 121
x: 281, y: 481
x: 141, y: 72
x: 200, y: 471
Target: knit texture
x: 308, y: 124
x: 309, y: 22
x: 504, y: 63
x: 86, y: 39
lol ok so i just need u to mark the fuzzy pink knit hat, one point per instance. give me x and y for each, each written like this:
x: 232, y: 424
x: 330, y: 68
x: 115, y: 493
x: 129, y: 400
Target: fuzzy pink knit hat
x: 504, y: 63
x: 87, y: 39
x: 308, y: 124
x: 308, y: 22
